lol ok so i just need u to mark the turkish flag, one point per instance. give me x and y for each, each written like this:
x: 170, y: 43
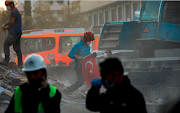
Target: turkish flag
x: 89, y: 69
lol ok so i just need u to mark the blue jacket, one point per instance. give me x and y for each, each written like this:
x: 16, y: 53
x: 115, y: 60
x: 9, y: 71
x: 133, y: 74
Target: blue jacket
x: 80, y: 48
x: 17, y: 26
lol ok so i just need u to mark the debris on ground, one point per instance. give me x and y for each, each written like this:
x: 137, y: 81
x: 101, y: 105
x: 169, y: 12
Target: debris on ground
x: 11, y: 77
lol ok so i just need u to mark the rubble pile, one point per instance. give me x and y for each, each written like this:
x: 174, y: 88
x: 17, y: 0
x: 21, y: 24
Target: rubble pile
x: 75, y: 102
x: 10, y: 78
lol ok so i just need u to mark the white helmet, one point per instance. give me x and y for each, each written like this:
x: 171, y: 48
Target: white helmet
x: 34, y: 62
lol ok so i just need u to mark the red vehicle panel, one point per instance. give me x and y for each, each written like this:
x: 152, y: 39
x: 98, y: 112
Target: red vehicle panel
x: 53, y: 44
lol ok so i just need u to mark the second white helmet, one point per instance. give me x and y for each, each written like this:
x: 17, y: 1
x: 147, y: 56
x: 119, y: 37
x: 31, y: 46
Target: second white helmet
x: 34, y: 62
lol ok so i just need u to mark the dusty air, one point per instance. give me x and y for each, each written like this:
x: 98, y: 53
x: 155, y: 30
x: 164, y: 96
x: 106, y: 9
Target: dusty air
x: 69, y: 56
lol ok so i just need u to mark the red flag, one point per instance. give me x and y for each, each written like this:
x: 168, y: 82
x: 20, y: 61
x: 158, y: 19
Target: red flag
x: 89, y: 69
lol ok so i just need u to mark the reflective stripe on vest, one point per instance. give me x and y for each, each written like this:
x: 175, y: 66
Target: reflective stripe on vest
x: 18, y: 95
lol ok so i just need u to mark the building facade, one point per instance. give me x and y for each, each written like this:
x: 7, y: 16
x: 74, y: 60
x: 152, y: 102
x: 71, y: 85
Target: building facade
x: 100, y: 12
x: 55, y: 6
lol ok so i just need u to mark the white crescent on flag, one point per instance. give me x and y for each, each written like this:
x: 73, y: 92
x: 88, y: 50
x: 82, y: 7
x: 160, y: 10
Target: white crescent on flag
x: 91, y: 71
x: 87, y: 63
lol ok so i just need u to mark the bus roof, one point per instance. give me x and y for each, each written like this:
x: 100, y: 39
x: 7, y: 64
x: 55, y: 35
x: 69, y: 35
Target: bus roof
x: 53, y: 31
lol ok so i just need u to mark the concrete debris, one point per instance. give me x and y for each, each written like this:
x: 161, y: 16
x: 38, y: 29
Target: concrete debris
x: 11, y: 77
x: 3, y: 108
x: 1, y: 90
x: 6, y: 101
x: 51, y: 82
x: 8, y: 93
x: 4, y: 97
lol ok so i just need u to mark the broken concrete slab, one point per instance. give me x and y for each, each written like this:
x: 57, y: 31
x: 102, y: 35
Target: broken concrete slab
x: 8, y: 93
x: 6, y: 101
x: 4, y: 97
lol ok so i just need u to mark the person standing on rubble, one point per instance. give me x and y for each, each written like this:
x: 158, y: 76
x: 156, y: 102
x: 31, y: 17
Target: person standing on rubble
x: 36, y: 95
x: 80, y: 50
x: 120, y: 97
x: 14, y: 33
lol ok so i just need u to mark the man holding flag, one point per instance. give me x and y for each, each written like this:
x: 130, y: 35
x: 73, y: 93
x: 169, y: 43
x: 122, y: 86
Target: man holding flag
x: 80, y: 50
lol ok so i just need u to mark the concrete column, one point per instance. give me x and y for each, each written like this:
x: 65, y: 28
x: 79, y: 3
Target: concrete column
x: 103, y: 11
x: 123, y: 11
x: 117, y: 12
x: 98, y: 17
x: 92, y: 18
x: 130, y: 6
x: 109, y: 13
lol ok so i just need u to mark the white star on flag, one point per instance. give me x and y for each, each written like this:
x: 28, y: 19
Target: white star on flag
x: 90, y: 71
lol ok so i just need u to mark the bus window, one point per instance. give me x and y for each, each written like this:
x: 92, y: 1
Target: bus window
x: 68, y: 42
x: 34, y: 45
x: 50, y: 43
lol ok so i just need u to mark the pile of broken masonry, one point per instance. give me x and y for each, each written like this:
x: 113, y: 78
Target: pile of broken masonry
x: 11, y: 77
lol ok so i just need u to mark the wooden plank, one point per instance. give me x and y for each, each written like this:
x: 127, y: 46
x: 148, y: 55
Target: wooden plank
x: 8, y: 93
x: 24, y: 80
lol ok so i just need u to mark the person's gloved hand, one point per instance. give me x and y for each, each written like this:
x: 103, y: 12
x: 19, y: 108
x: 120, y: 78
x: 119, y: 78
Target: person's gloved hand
x: 95, y: 54
x: 96, y: 83
x: 4, y: 28
x: 80, y: 58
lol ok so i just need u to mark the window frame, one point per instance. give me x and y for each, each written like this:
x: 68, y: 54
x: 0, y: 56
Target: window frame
x: 99, y: 19
x: 60, y: 48
x: 125, y: 4
x: 133, y: 12
x: 42, y: 44
x: 121, y: 13
x: 105, y: 16
x: 95, y: 21
x: 90, y: 20
x: 166, y: 16
x: 115, y: 19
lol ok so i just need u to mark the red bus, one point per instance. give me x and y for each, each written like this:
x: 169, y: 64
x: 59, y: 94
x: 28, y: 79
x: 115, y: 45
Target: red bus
x: 53, y: 43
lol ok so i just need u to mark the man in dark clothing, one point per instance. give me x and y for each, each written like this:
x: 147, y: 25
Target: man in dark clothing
x: 120, y: 97
x: 35, y: 96
x: 14, y: 33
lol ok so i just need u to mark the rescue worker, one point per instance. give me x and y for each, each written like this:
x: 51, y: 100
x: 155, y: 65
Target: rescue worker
x: 80, y: 50
x: 59, y: 63
x: 14, y: 33
x: 120, y: 97
x: 36, y: 95
x: 107, y: 54
x: 53, y: 63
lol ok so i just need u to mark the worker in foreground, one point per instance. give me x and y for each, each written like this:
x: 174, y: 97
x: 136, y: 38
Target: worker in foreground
x: 14, y: 33
x: 80, y: 50
x: 120, y: 97
x: 36, y: 95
